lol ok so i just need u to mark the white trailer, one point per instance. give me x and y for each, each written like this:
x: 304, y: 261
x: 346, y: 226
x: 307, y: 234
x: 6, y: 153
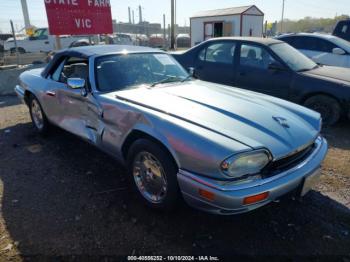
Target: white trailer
x: 236, y: 21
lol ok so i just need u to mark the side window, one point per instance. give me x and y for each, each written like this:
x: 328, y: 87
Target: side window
x: 300, y: 43
x: 72, y: 67
x: 345, y: 29
x: 289, y: 40
x: 201, y: 55
x: 218, y: 53
x: 255, y: 56
x: 57, y: 73
x: 314, y: 44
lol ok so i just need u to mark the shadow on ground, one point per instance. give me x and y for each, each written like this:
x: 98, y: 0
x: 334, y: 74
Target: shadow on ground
x: 6, y: 101
x: 62, y: 196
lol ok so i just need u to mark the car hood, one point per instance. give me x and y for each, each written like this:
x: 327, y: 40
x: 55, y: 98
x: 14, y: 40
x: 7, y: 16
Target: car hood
x: 331, y: 73
x: 241, y: 115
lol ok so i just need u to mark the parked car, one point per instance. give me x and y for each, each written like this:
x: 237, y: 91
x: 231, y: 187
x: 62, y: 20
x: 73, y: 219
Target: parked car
x: 183, y: 41
x: 225, y: 150
x: 122, y: 39
x: 323, y: 49
x: 342, y: 30
x: 41, y: 41
x: 275, y: 68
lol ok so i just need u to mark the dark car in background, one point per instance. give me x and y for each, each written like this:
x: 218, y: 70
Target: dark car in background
x: 272, y: 67
x: 342, y: 30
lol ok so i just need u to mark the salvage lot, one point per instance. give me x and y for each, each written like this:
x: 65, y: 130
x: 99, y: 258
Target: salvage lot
x: 61, y: 196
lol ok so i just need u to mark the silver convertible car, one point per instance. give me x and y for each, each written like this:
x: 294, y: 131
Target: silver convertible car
x: 222, y: 150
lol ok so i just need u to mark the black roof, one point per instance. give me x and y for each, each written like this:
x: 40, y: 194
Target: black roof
x: 260, y: 40
x: 98, y: 50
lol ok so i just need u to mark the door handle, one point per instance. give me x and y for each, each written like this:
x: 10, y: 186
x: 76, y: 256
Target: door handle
x: 47, y: 42
x: 51, y: 93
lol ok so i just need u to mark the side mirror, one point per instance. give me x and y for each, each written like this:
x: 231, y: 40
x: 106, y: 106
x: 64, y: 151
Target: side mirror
x: 338, y: 51
x: 77, y: 83
x: 276, y: 67
x: 191, y: 71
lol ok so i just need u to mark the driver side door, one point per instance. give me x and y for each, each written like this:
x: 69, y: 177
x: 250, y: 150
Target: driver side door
x: 68, y: 107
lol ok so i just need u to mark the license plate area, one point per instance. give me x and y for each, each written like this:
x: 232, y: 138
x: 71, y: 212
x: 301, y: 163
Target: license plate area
x: 310, y: 181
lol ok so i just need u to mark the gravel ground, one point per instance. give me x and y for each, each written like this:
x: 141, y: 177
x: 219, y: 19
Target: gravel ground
x: 62, y: 197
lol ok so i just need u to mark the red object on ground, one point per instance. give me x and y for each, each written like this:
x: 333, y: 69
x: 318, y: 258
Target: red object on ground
x: 79, y: 17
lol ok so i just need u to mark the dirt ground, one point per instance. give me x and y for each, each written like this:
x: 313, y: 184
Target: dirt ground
x: 62, y: 197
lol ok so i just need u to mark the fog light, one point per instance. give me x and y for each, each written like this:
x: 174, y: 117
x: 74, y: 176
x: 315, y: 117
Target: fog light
x: 255, y: 199
x: 206, y: 194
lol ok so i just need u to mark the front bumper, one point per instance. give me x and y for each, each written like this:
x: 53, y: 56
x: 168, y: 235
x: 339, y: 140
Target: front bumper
x: 20, y: 93
x: 229, y: 197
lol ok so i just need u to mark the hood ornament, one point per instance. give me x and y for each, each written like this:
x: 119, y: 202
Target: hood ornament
x: 282, y: 121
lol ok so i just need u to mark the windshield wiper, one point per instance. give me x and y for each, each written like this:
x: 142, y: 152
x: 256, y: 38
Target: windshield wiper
x: 167, y: 80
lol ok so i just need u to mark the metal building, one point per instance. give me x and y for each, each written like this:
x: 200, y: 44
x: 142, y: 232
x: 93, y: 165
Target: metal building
x: 235, y: 21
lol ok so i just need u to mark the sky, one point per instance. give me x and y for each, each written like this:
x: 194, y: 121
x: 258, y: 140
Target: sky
x: 153, y: 10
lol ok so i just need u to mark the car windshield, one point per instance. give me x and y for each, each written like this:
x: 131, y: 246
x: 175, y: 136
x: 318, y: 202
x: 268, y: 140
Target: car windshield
x: 120, y: 72
x: 293, y: 58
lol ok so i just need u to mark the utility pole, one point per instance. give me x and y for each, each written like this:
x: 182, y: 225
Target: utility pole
x: 129, y: 15
x: 282, y: 21
x: 140, y: 14
x: 14, y: 39
x: 172, y: 41
x: 164, y: 33
x: 25, y: 14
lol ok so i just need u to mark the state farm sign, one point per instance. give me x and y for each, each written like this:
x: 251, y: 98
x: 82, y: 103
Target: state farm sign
x: 79, y: 17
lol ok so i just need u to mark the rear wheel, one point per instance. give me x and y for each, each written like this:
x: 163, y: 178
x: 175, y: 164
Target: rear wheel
x: 20, y: 50
x: 327, y: 106
x: 153, y: 175
x: 38, y: 116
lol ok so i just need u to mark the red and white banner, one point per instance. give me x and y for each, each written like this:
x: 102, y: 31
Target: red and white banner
x: 79, y: 17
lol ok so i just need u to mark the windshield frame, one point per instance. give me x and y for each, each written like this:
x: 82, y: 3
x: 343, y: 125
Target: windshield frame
x: 314, y: 65
x: 93, y: 69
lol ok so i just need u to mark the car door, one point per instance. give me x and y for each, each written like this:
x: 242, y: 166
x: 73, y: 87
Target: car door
x: 253, y: 71
x: 214, y: 62
x: 65, y: 106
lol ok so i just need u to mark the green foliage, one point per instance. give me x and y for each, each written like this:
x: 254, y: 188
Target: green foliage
x: 309, y: 24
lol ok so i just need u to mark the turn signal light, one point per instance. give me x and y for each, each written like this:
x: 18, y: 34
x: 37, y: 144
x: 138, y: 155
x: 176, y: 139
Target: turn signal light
x: 255, y: 199
x: 206, y: 194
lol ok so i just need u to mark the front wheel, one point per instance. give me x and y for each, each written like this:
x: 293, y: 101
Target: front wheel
x: 38, y: 116
x: 153, y: 175
x: 327, y: 106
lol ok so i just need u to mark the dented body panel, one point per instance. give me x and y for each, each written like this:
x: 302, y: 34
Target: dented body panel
x: 199, y: 123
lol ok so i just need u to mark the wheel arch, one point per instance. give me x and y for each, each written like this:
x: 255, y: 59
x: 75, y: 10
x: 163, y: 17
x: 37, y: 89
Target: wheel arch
x: 309, y: 95
x: 137, y: 134
x: 27, y: 95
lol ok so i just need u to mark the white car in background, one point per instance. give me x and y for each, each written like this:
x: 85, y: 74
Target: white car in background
x: 41, y: 41
x: 322, y: 48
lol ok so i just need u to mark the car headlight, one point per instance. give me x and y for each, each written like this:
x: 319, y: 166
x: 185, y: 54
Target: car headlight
x: 246, y: 164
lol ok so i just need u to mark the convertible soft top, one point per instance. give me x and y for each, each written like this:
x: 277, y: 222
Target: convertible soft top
x: 88, y: 51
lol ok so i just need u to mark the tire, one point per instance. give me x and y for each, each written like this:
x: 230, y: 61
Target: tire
x: 37, y: 114
x: 327, y: 106
x: 20, y: 50
x: 142, y: 151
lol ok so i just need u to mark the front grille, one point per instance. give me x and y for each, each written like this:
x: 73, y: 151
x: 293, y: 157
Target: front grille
x: 286, y: 163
